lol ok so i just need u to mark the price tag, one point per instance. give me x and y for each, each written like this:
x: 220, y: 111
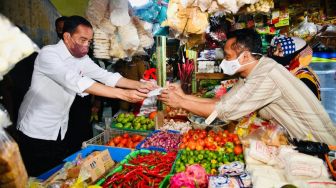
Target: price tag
x: 98, y: 165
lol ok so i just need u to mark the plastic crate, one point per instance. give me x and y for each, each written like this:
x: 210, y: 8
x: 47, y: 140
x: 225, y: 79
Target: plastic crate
x: 139, y: 146
x: 106, y: 136
x: 133, y: 154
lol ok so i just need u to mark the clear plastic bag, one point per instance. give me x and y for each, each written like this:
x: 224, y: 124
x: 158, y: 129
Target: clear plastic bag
x: 13, y: 173
x: 14, y: 46
x: 270, y: 134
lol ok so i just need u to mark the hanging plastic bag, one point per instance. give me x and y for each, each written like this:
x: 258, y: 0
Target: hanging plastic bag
x: 154, y: 12
x: 14, y: 45
x: 12, y: 170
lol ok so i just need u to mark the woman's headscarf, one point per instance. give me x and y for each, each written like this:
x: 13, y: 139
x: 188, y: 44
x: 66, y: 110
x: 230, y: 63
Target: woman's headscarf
x: 297, y: 56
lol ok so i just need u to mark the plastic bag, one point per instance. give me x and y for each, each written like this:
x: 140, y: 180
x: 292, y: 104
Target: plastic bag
x: 12, y: 170
x: 270, y: 134
x: 4, y: 117
x: 154, y: 12
x: 14, y: 46
x: 305, y: 30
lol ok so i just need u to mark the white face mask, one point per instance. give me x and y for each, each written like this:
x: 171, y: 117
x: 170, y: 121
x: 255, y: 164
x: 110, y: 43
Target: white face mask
x: 230, y: 67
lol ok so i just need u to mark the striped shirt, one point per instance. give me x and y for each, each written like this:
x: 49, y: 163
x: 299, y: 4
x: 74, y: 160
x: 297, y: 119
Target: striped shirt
x: 280, y: 97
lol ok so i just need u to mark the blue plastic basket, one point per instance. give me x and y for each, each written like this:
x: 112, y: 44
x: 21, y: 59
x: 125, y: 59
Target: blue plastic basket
x: 138, y: 147
x: 117, y: 154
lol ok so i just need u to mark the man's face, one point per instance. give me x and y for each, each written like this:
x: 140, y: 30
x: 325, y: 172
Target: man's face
x: 82, y: 36
x: 229, y: 53
x: 278, y: 51
x: 78, y: 43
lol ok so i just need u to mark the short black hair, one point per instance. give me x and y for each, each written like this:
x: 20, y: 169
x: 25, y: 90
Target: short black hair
x: 59, y: 31
x: 60, y: 19
x: 72, y: 22
x: 246, y: 39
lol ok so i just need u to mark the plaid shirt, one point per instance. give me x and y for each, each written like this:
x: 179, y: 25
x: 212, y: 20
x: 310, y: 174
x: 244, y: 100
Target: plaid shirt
x: 278, y: 96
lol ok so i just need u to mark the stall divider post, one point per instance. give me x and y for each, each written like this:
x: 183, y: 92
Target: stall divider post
x: 161, y: 75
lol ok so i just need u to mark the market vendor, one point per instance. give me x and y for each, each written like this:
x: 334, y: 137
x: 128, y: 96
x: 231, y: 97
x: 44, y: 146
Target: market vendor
x: 264, y: 86
x: 295, y: 54
x: 61, y: 71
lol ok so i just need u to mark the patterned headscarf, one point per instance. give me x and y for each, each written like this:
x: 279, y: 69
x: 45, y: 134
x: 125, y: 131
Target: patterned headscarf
x: 289, y: 45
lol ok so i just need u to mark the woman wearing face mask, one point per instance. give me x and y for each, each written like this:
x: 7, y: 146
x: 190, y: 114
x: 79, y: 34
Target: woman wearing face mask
x: 295, y: 54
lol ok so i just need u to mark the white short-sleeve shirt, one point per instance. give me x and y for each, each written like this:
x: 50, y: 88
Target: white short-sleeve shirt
x: 57, y: 78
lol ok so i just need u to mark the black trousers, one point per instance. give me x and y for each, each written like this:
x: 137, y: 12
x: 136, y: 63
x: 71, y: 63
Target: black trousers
x: 38, y: 155
x: 79, y: 127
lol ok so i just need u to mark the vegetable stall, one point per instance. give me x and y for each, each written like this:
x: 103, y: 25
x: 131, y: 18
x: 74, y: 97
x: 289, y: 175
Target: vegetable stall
x: 154, y: 145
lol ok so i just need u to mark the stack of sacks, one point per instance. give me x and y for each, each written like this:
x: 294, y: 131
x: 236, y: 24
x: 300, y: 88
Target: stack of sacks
x: 126, y: 34
x: 14, y: 46
x: 278, y: 166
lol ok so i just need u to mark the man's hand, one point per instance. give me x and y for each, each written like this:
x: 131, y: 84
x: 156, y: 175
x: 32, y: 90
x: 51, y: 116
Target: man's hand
x: 177, y: 88
x: 145, y: 87
x: 133, y: 96
x: 171, y: 98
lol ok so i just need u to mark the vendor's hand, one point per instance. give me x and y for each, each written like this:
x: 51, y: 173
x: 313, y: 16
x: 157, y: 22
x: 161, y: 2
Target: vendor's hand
x: 171, y: 98
x: 133, y: 96
x: 145, y: 87
x: 177, y: 88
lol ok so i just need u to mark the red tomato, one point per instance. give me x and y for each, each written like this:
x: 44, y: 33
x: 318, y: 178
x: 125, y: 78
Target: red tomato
x: 123, y: 141
x: 184, y: 140
x: 191, y: 145
x: 126, y: 135
x: 195, y: 137
x: 226, y: 131
x: 129, y: 144
x: 201, y: 142
x: 120, y: 145
x: 238, y: 149
x: 117, y: 140
x: 202, y: 135
x: 218, y: 139
x: 182, y: 146
x: 211, y: 133
x: 199, y: 147
x: 152, y: 115
x: 209, y: 139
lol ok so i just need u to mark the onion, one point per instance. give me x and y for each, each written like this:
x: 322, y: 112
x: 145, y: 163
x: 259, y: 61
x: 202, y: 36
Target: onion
x: 166, y: 140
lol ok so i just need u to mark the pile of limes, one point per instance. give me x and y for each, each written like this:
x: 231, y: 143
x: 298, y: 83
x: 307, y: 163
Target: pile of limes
x: 129, y: 121
x: 210, y: 160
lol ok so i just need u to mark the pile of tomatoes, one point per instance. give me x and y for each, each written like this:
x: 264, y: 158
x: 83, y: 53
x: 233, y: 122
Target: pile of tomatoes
x: 198, y: 139
x: 125, y: 140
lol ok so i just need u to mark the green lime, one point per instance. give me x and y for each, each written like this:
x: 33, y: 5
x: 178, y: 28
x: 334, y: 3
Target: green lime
x: 119, y: 125
x: 191, y: 161
x: 122, y: 115
x: 124, y: 121
x: 119, y: 120
x: 214, y: 165
x: 128, y: 125
x: 200, y: 156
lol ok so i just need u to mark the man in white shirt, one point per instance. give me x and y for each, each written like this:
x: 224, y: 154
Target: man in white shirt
x: 61, y: 71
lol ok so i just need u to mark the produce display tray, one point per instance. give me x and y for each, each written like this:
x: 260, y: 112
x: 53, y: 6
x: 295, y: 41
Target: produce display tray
x: 131, y: 155
x: 139, y: 146
x: 129, y: 130
x: 105, y: 136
